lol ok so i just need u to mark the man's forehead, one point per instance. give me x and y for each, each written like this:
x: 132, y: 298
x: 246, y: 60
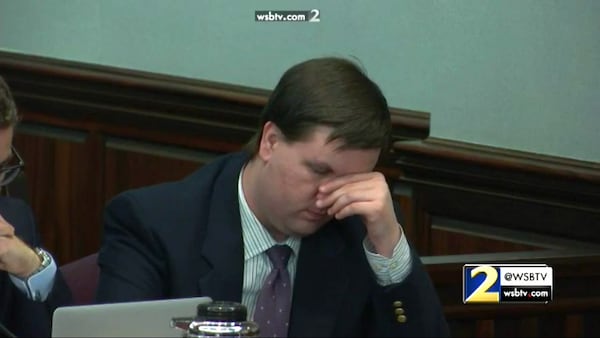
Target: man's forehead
x: 346, y: 161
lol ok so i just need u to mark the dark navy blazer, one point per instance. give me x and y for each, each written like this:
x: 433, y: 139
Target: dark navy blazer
x: 184, y: 239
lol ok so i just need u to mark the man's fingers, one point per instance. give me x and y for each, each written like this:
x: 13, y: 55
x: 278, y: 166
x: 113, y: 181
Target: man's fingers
x: 7, y: 230
x: 348, y: 196
x: 356, y: 208
x: 341, y: 181
x: 326, y: 200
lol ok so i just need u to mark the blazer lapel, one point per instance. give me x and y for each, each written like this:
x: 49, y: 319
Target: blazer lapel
x: 222, y: 249
x: 322, y: 274
x: 320, y: 284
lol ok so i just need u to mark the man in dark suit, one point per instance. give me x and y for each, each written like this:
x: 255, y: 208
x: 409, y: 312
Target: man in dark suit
x: 306, y: 184
x: 31, y: 286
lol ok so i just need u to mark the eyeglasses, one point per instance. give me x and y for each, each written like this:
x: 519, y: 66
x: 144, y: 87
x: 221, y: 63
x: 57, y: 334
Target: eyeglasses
x: 10, y: 171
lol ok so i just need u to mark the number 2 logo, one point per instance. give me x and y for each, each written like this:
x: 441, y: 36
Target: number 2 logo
x: 482, y: 293
x: 315, y: 15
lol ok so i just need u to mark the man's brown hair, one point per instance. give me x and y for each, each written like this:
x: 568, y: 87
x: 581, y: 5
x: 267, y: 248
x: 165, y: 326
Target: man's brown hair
x: 331, y: 92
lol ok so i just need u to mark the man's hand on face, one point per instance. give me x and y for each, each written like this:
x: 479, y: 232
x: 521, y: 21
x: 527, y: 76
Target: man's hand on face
x: 16, y: 257
x: 366, y: 195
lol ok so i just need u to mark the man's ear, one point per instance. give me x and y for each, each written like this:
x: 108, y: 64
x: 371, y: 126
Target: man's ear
x: 270, y: 139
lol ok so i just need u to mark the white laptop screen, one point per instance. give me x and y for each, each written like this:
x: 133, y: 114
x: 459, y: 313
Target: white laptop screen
x: 131, y: 319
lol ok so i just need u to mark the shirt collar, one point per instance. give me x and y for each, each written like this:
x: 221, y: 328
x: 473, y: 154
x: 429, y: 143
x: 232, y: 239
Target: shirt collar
x: 256, y: 237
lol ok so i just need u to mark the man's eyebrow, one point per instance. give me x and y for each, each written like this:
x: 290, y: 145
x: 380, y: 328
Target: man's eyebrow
x: 318, y: 165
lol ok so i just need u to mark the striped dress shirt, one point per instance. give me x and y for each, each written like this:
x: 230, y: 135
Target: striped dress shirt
x: 257, y: 264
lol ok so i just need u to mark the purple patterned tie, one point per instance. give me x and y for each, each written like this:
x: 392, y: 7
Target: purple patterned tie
x: 273, y: 306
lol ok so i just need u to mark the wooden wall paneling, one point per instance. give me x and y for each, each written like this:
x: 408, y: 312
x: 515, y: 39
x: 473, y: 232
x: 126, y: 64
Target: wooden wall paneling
x: 574, y: 325
x: 509, y: 189
x: 576, y: 270
x: 133, y: 164
x: 87, y: 196
x: 574, y: 310
x: 513, y: 213
x: 565, y: 320
x: 526, y: 326
x: 454, y: 243
x: 553, y: 324
x: 62, y: 194
x: 451, y: 237
x: 462, y: 328
x: 422, y: 219
x: 485, y: 328
x: 402, y: 194
x: 129, y: 121
x: 417, y: 225
x: 408, y: 224
x: 205, y: 113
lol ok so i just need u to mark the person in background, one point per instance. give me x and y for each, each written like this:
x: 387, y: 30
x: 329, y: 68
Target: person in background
x: 31, y: 286
x: 298, y: 227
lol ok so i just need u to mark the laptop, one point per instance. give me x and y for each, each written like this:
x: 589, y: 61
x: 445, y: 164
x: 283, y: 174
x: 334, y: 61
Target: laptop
x: 130, y: 319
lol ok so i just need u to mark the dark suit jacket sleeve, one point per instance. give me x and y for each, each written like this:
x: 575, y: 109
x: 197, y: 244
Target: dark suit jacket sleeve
x: 130, y: 266
x: 420, y: 302
x: 34, y: 319
x: 30, y: 318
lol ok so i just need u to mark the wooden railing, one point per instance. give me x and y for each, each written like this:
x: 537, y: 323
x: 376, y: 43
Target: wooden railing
x: 573, y: 312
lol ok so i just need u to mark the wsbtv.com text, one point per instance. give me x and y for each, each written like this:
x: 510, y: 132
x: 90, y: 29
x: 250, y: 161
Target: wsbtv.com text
x: 313, y: 15
x: 526, y: 294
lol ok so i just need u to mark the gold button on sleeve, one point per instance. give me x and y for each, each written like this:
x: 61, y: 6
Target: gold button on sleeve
x: 401, y: 319
x: 399, y: 311
x: 397, y: 303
